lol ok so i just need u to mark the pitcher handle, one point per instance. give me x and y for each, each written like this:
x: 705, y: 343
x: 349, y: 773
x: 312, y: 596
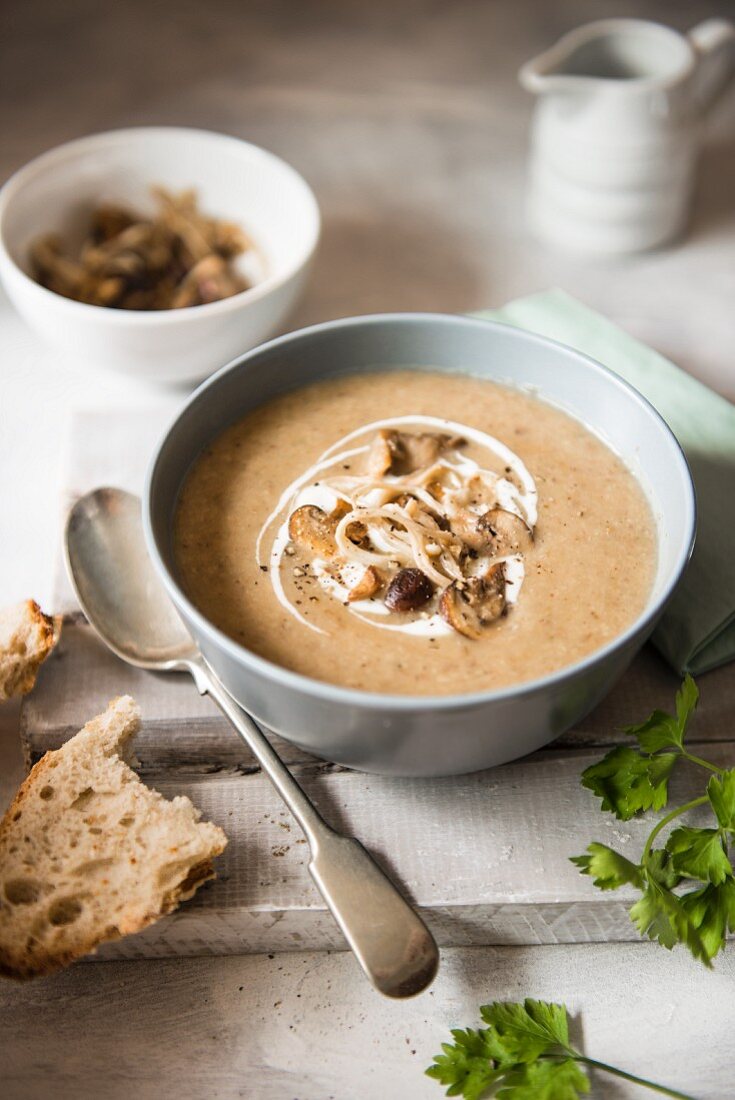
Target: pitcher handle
x: 714, y: 42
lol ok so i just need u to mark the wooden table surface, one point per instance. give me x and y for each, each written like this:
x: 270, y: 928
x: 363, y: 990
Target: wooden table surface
x: 407, y: 120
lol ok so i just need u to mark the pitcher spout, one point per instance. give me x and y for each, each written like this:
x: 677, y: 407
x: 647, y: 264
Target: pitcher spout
x: 546, y: 72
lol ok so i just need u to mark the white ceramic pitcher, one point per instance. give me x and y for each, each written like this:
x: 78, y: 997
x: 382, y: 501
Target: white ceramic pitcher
x: 617, y: 128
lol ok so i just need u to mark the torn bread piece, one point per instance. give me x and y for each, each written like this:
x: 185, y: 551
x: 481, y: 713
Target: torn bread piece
x: 88, y: 853
x: 27, y: 636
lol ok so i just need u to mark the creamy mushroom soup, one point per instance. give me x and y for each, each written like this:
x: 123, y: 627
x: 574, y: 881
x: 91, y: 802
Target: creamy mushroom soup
x: 414, y: 533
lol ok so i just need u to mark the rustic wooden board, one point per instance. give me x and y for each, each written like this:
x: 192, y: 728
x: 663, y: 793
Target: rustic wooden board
x: 305, y: 1026
x: 485, y: 856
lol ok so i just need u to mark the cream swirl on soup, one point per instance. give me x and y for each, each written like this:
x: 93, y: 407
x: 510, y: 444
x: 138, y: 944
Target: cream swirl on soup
x: 400, y: 525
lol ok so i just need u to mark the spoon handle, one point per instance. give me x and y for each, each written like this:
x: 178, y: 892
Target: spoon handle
x: 392, y: 944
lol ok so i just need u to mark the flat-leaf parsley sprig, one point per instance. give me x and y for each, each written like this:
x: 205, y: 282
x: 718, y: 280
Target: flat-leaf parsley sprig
x: 633, y: 779
x: 523, y: 1054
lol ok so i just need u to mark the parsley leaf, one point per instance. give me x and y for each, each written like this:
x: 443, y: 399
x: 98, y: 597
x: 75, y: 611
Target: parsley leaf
x: 687, y: 698
x: 721, y: 793
x: 545, y: 1081
x: 608, y: 868
x: 523, y: 1054
x: 467, y: 1066
x: 664, y: 731
x: 698, y: 853
x: 629, y: 783
x: 711, y: 910
x: 632, y: 780
x: 660, y: 915
x: 660, y: 731
x: 659, y: 869
x: 529, y: 1029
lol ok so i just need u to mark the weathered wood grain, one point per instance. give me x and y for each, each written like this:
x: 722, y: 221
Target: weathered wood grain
x: 305, y: 1026
x: 485, y: 856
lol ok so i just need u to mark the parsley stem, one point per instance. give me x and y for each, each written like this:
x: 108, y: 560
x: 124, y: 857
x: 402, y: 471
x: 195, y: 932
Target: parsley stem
x: 702, y: 763
x: 666, y: 820
x: 594, y: 1064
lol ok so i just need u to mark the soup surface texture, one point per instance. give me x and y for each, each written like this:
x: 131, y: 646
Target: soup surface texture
x: 414, y: 533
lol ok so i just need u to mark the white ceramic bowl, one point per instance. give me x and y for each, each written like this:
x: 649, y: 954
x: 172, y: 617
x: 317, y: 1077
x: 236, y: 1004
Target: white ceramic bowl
x: 234, y: 180
x: 425, y: 734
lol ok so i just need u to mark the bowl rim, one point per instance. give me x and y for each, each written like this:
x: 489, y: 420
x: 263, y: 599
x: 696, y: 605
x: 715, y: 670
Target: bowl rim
x: 70, y: 149
x: 380, y: 701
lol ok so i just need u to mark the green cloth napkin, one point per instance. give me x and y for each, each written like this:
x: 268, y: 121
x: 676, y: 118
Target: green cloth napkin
x: 697, y: 632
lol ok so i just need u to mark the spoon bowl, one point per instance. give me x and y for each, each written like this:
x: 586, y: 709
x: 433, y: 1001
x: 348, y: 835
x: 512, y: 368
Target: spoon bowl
x: 117, y: 586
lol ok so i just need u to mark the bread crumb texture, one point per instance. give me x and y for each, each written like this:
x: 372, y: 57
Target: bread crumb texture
x: 27, y: 636
x: 88, y: 853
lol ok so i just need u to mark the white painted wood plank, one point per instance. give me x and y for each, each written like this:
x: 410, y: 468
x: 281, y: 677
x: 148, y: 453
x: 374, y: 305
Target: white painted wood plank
x: 485, y: 857
x: 306, y: 1027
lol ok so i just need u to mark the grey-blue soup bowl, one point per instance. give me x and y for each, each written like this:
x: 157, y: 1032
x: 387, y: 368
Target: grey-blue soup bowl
x: 425, y: 735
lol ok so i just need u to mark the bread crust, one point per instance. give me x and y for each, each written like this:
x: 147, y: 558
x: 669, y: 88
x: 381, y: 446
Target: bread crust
x: 27, y: 636
x: 29, y: 944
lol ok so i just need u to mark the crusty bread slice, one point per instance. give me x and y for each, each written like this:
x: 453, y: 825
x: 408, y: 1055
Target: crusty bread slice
x: 27, y: 636
x: 88, y: 853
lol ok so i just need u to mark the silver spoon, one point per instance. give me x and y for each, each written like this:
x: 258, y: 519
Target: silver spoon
x: 128, y: 606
